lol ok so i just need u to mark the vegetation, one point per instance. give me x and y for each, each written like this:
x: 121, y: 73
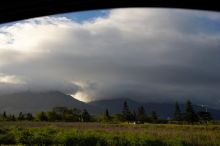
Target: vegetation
x: 97, y: 134
x: 126, y: 113
x: 64, y: 114
x: 66, y: 126
x: 190, y: 115
x: 177, y: 114
x: 141, y: 116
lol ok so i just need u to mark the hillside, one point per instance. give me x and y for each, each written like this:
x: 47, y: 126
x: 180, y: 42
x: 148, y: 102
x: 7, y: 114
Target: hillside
x: 36, y: 102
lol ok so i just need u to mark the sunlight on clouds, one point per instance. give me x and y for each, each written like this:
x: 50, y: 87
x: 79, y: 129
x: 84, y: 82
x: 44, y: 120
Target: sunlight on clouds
x: 81, y: 84
x: 10, y: 79
x: 81, y: 96
x: 31, y: 39
x: 85, y: 92
x: 28, y: 36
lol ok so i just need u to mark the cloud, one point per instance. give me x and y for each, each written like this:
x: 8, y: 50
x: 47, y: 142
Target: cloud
x: 10, y: 79
x: 160, y: 55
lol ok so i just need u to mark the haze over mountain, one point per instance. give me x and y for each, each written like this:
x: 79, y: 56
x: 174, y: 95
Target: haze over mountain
x: 36, y: 102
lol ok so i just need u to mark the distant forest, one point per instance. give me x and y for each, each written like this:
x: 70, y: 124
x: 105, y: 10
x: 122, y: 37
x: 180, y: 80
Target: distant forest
x: 138, y: 116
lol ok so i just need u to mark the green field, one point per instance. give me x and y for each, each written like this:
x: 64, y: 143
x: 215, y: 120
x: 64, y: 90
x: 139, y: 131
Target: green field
x: 98, y: 134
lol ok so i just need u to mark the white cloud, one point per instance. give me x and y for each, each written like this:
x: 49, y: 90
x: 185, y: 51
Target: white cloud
x: 10, y: 79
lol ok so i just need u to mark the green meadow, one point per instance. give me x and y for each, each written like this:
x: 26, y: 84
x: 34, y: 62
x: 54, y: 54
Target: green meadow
x: 104, y: 134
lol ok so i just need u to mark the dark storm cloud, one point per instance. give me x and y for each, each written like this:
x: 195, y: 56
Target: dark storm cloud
x: 148, y: 54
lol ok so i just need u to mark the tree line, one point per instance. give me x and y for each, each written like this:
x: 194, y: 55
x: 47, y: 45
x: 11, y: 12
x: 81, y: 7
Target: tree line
x: 127, y: 115
x: 140, y: 116
x: 63, y: 114
x: 190, y: 115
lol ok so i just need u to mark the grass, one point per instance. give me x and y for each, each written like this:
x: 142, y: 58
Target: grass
x: 97, y: 134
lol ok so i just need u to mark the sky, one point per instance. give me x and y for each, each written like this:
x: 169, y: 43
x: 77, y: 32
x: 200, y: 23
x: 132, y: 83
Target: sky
x: 149, y: 55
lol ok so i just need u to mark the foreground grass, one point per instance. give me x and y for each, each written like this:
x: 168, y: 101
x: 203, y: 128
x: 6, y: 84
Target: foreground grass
x: 95, y: 134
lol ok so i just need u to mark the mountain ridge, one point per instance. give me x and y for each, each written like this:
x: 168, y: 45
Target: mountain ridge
x: 33, y: 102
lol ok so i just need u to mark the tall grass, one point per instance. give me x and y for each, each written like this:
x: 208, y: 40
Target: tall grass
x: 113, y: 135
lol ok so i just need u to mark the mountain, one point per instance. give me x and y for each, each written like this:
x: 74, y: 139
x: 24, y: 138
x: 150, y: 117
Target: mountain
x: 36, y: 102
x: 164, y: 110
x: 115, y: 105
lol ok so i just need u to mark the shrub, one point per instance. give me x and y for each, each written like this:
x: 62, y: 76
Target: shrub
x: 26, y: 137
x: 7, y: 137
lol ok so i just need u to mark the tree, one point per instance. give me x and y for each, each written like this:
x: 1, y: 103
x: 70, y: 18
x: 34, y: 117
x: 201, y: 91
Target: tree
x: 126, y: 112
x: 52, y: 116
x: 4, y: 115
x: 12, y: 118
x: 41, y: 116
x: 190, y: 115
x: 20, y: 116
x: 177, y: 113
x: 105, y: 117
x: 77, y: 114
x: 141, y: 116
x: 108, y: 117
x: 86, y: 117
x: 204, y: 117
x: 134, y: 116
x: 29, y: 117
x: 60, y: 113
x: 154, y: 116
x: 117, y: 117
x: 65, y: 114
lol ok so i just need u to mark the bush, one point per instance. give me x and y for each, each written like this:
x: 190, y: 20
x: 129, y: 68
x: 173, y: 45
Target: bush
x: 26, y: 137
x: 7, y: 137
x: 44, y: 137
